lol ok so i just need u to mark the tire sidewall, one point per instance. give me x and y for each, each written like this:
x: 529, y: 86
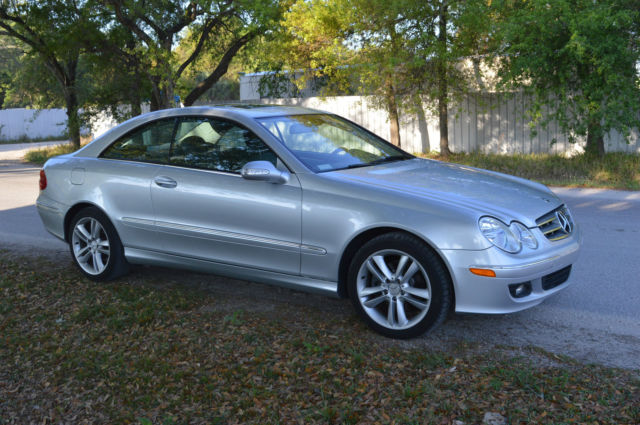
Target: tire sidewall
x: 438, y: 279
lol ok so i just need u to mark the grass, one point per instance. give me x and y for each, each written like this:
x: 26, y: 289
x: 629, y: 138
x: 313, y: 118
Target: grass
x: 613, y: 170
x: 41, y: 155
x: 25, y: 139
x: 145, y: 350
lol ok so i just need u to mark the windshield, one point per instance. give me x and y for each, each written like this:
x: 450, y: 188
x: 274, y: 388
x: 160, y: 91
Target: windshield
x: 325, y: 142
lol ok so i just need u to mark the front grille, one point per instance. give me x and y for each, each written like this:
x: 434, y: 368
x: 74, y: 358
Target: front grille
x: 554, y: 279
x: 557, y: 224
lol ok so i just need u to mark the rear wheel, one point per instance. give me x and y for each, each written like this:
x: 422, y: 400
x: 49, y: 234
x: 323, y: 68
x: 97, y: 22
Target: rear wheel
x: 95, y: 245
x: 399, y: 286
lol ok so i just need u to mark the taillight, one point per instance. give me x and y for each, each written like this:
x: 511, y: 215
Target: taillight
x: 43, y: 180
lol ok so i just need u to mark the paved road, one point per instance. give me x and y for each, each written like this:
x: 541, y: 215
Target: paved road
x: 596, y: 319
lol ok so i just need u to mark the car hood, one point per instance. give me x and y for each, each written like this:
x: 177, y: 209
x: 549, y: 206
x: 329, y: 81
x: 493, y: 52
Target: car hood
x: 486, y: 192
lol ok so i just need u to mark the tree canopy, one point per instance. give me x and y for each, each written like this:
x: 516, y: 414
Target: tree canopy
x: 400, y: 51
x: 130, y: 51
x: 579, y: 57
x: 51, y: 32
x: 153, y: 29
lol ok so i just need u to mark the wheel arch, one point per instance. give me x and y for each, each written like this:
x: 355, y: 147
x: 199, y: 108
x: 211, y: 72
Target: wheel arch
x: 72, y: 213
x: 362, y: 238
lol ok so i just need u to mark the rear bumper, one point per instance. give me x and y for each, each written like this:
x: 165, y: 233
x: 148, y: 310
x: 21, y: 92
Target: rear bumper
x: 479, y: 294
x: 52, y: 214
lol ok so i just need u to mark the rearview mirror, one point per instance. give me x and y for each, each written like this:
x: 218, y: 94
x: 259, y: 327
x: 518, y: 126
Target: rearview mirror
x: 264, y: 171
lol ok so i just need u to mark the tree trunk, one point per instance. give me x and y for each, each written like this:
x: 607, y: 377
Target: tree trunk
x: 595, y: 139
x: 443, y: 88
x: 394, y: 124
x: 422, y: 125
x: 444, y: 125
x: 156, y: 101
x: 73, y: 119
x: 161, y: 93
x: 135, y: 101
x: 392, y: 110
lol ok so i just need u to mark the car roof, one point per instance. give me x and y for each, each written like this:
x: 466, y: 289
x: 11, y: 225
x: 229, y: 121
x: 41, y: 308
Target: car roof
x: 265, y: 110
x: 230, y: 110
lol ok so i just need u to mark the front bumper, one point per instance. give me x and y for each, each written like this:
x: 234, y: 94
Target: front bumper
x: 479, y: 294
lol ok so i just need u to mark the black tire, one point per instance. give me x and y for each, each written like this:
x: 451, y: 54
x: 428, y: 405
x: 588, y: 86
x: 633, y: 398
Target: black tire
x: 91, y: 234
x: 418, y: 295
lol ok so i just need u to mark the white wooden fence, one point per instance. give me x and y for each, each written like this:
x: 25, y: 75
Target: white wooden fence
x: 492, y: 124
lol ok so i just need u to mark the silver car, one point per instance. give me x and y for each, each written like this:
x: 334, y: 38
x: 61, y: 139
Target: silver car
x: 311, y: 201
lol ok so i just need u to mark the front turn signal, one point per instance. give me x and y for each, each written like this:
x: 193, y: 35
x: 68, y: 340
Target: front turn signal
x: 483, y: 272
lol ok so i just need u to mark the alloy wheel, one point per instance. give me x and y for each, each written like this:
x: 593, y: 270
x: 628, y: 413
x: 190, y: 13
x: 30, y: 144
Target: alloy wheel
x: 91, y: 245
x: 393, y: 289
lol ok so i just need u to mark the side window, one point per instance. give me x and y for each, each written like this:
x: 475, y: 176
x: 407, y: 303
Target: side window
x: 151, y: 143
x: 217, y: 144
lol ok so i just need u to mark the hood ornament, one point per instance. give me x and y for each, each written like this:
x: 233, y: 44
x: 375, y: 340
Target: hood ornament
x: 564, y: 221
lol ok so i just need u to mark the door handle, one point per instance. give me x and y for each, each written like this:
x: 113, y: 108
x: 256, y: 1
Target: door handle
x: 164, y: 181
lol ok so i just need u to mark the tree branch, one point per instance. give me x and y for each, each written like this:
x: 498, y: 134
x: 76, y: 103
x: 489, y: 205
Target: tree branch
x: 129, y: 23
x: 36, y: 43
x: 208, y: 27
x: 189, y: 17
x: 221, y: 69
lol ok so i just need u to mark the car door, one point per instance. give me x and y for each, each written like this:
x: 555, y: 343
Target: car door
x: 205, y: 209
x: 125, y: 170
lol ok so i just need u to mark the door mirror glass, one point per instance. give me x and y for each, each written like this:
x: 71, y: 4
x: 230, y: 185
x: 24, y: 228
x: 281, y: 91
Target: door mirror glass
x: 264, y: 171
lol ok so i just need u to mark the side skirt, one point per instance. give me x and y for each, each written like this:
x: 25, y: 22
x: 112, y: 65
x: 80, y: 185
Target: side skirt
x: 301, y: 283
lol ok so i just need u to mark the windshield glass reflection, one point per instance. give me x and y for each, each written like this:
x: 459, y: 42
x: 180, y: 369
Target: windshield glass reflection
x: 326, y: 142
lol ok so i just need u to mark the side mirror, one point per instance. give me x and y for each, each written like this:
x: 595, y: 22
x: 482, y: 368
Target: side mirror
x: 264, y: 171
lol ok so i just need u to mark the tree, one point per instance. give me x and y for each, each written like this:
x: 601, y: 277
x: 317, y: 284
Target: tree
x: 228, y: 86
x: 51, y: 31
x: 337, y: 39
x: 444, y: 36
x: 401, y: 50
x: 10, y: 53
x: 577, y: 57
x: 157, y: 26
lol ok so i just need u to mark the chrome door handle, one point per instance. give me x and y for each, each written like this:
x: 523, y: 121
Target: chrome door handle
x: 164, y: 181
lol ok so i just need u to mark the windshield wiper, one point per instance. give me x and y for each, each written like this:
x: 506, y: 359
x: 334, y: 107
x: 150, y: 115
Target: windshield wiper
x: 378, y: 161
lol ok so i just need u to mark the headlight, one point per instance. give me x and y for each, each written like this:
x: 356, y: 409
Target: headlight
x: 524, y: 235
x: 507, y: 238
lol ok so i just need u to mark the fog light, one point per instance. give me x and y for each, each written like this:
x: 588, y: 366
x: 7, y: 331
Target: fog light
x: 519, y: 290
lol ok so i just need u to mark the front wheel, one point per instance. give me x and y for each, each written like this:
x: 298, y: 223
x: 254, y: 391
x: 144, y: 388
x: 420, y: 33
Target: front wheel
x: 95, y: 245
x: 399, y: 286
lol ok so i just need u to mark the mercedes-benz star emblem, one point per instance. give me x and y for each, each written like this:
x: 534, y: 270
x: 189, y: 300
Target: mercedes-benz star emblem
x: 564, y: 221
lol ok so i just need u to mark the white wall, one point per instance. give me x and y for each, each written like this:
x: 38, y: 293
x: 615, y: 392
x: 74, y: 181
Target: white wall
x: 32, y: 123
x: 490, y: 123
